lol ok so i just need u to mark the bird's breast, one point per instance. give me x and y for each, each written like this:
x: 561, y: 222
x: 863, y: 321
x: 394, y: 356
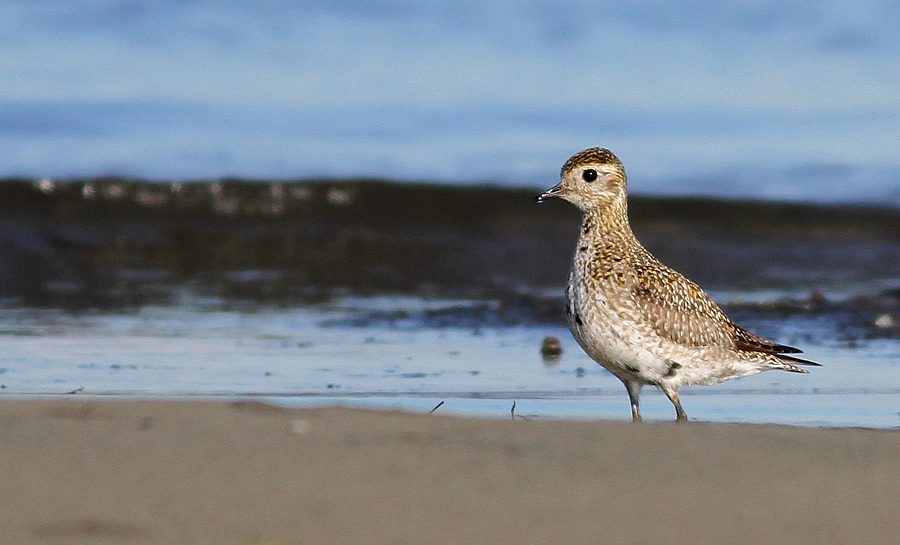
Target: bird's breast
x: 606, y: 323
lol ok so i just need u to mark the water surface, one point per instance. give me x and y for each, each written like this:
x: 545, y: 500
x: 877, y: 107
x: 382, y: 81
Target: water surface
x: 404, y: 295
x: 336, y: 353
x: 777, y: 100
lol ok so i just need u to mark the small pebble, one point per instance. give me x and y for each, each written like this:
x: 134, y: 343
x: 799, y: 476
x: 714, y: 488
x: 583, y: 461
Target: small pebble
x: 551, y: 349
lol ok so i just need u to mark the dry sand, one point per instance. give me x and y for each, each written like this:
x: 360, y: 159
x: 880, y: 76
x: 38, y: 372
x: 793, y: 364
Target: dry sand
x: 249, y: 473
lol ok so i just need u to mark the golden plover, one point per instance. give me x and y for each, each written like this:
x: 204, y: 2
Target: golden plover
x: 644, y: 322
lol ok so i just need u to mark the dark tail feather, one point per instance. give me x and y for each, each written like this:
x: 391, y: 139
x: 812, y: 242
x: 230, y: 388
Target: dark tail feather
x: 744, y: 340
x: 785, y: 349
x: 798, y: 361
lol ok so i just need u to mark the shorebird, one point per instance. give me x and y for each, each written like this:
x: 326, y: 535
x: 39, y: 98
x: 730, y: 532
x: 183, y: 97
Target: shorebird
x: 641, y: 320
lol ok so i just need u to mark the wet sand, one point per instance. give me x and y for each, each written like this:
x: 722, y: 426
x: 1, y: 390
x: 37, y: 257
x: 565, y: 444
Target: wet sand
x: 249, y: 473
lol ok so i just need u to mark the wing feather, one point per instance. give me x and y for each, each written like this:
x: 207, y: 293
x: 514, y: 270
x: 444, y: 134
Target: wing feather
x: 679, y: 310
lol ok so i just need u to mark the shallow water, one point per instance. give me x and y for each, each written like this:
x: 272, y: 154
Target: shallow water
x: 330, y: 353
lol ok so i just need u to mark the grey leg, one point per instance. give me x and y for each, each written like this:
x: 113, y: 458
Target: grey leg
x: 634, y: 393
x: 672, y: 394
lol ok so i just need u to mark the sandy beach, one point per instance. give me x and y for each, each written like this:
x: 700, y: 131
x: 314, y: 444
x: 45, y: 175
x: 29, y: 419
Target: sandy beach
x: 250, y: 473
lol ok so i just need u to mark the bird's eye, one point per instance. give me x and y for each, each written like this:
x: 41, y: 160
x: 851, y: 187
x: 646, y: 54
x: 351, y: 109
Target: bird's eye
x: 589, y: 175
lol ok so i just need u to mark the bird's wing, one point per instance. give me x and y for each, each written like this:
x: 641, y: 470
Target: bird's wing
x: 678, y: 309
x: 749, y: 341
x: 681, y: 311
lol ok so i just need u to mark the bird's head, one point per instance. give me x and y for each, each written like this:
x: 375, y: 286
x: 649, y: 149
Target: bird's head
x: 590, y: 179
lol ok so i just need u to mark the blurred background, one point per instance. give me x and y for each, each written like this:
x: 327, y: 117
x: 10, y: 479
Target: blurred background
x: 371, y: 167
x: 794, y: 100
x: 262, y: 107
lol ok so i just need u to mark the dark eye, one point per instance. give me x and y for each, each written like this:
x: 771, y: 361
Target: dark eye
x: 589, y: 175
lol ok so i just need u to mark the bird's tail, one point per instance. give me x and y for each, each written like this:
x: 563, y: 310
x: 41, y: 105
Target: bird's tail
x: 790, y: 363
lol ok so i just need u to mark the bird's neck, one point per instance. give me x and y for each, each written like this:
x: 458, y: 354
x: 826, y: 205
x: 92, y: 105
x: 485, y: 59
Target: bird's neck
x: 607, y: 224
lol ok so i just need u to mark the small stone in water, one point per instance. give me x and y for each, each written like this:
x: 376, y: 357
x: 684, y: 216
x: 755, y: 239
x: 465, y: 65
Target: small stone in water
x: 551, y: 348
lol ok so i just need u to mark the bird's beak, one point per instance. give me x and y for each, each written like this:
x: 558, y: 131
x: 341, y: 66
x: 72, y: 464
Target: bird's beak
x: 552, y: 192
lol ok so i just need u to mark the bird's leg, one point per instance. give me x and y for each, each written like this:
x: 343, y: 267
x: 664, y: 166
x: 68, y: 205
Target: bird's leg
x: 634, y: 392
x: 672, y: 394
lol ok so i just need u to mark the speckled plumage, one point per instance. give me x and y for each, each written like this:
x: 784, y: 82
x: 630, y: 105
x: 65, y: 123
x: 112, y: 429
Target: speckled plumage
x: 641, y: 320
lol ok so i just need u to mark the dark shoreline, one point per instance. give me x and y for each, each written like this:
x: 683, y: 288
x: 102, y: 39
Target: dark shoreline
x: 116, y: 243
